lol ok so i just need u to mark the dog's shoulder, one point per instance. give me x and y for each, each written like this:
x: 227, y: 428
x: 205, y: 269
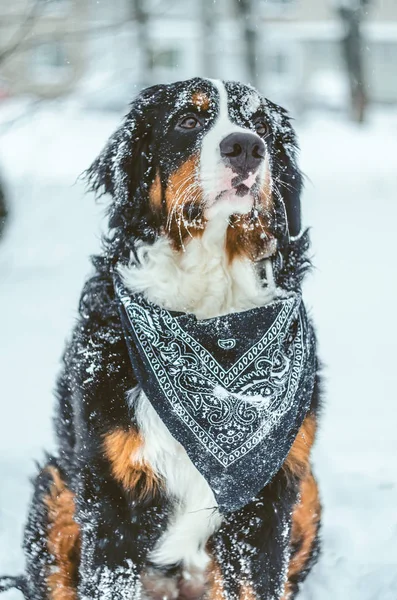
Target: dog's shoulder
x: 96, y: 374
x: 96, y: 357
x: 97, y: 301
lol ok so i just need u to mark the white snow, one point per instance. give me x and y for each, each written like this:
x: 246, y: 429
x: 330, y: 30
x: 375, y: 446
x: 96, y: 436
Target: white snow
x: 351, y: 203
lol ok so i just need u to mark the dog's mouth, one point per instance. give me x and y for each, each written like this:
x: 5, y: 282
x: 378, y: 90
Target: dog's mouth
x: 238, y: 199
x: 242, y: 190
x: 238, y: 191
x: 233, y: 193
x: 243, y: 185
x: 248, y: 179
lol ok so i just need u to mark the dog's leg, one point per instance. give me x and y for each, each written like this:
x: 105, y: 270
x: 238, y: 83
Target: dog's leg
x: 304, y: 536
x: 116, y: 534
x: 79, y: 545
x: 118, y: 511
x: 252, y: 547
x: 180, y: 554
x: 51, y: 540
x: 307, y: 512
x: 183, y: 544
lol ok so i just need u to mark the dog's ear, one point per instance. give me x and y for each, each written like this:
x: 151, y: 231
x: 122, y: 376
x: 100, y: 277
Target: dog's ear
x: 126, y: 163
x: 287, y: 177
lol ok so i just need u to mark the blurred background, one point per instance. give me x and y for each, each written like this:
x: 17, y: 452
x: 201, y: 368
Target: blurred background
x: 304, y: 53
x: 68, y: 69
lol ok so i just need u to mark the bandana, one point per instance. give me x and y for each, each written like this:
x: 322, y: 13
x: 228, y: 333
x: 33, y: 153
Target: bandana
x: 233, y: 390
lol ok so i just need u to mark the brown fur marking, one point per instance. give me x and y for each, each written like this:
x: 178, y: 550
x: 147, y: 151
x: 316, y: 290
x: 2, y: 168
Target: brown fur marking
x: 247, y: 593
x: 155, y: 192
x: 215, y: 581
x: 183, y: 190
x: 63, y: 540
x: 201, y: 100
x: 216, y: 589
x: 298, y: 459
x: 266, y: 197
x: 249, y: 237
x: 120, y: 448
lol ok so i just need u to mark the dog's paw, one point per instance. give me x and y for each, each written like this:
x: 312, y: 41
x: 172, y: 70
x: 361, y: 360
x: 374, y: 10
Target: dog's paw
x: 192, y: 585
x: 167, y: 584
x: 157, y: 584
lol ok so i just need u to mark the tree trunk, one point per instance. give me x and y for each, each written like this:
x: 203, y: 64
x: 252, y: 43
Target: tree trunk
x: 245, y: 13
x: 352, y: 46
x: 142, y: 19
x: 3, y: 209
x: 209, y: 66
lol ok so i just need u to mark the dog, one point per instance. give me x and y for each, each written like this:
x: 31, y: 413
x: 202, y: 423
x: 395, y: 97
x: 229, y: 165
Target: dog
x: 204, y: 219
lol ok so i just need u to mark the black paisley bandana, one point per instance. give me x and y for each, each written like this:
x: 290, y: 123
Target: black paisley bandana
x: 233, y: 390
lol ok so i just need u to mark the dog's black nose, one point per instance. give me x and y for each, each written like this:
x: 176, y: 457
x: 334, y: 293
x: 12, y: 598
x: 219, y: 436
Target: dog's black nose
x: 243, y: 152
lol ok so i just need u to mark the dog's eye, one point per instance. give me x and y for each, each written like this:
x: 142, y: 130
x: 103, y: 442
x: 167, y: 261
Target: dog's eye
x: 189, y: 122
x: 261, y: 128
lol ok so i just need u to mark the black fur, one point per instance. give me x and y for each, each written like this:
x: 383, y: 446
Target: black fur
x: 117, y: 529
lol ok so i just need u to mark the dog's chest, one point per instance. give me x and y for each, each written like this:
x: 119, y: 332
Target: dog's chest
x: 199, y: 280
x: 203, y: 282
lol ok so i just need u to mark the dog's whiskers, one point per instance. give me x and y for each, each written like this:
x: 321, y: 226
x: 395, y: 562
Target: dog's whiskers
x: 183, y: 195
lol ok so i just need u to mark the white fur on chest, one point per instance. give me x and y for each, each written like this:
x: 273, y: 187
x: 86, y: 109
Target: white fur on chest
x: 194, y: 517
x: 199, y: 280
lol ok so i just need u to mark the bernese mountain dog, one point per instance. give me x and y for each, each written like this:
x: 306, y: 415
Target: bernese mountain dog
x: 204, y: 219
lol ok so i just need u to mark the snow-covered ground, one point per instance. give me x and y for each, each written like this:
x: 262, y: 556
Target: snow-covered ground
x: 351, y: 202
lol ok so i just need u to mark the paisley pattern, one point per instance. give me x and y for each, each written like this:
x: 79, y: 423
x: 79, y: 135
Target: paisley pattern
x: 227, y: 344
x: 222, y: 396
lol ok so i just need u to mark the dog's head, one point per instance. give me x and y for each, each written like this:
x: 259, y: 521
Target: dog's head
x: 198, y: 150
